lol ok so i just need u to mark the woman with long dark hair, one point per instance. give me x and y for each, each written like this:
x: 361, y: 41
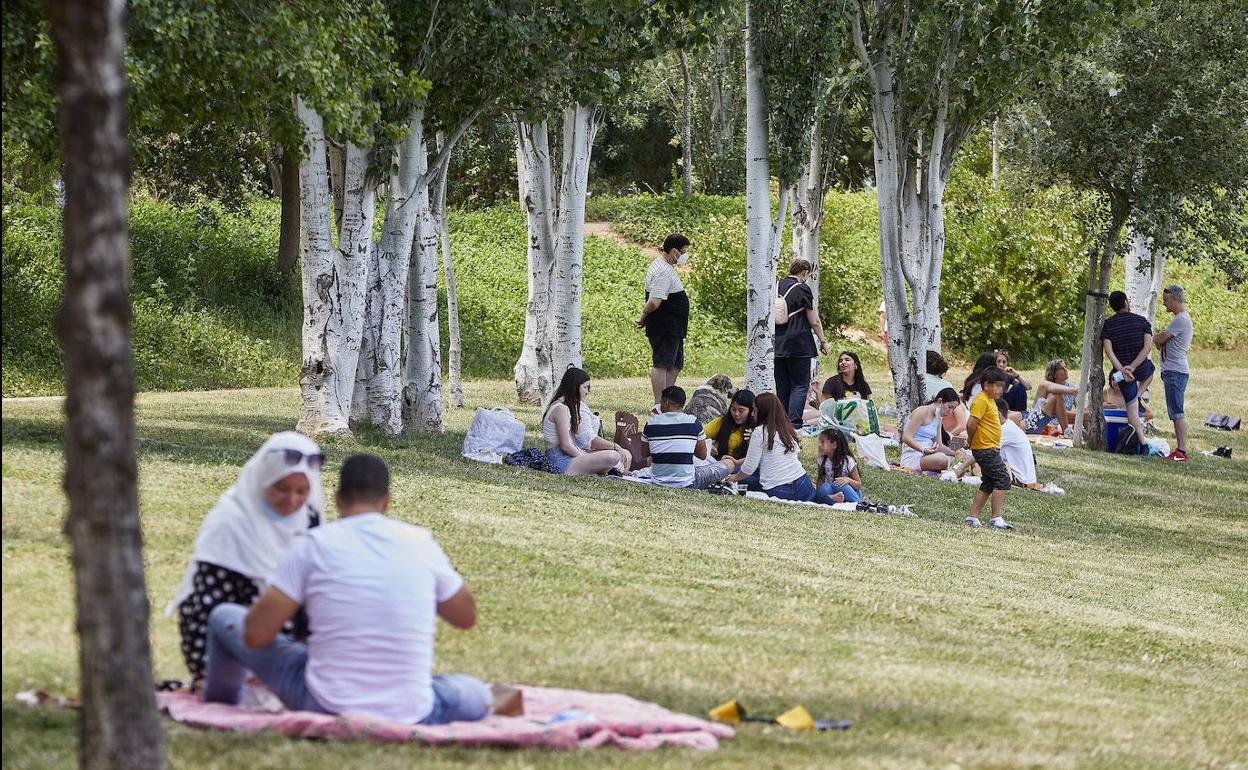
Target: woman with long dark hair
x: 570, y: 432
x: 923, y: 445
x: 849, y: 381
x: 730, y: 432
x: 971, y: 386
x: 773, y: 453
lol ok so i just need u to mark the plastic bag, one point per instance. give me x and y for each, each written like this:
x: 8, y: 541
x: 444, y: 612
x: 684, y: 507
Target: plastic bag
x: 871, y: 450
x: 494, y: 430
x: 851, y: 415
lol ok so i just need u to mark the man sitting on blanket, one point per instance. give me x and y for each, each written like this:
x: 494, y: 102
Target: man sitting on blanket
x: 673, y: 439
x: 373, y: 588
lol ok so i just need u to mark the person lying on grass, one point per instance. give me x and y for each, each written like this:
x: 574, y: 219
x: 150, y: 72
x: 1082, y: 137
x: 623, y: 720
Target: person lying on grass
x: 983, y: 429
x: 673, y: 438
x: 373, y: 588
x: 254, y: 524
x: 838, y: 476
x: 773, y: 453
x: 570, y: 432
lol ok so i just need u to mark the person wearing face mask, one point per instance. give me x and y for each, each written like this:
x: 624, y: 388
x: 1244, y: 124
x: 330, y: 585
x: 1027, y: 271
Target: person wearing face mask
x: 665, y: 316
x: 276, y: 499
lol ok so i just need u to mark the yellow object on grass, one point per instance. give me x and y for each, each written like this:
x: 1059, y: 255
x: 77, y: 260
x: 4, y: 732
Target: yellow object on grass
x: 796, y: 718
x: 727, y: 712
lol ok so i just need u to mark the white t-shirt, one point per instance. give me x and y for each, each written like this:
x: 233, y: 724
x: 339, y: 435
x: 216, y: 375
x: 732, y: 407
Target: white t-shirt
x: 662, y: 280
x: 830, y: 472
x: 1016, y: 452
x: 371, y: 587
x: 1174, y: 352
x: 776, y: 466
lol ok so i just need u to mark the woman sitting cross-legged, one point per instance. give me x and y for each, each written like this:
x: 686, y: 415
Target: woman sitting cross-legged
x: 730, y: 433
x: 253, y: 526
x: 570, y: 432
x: 838, y: 473
x: 922, y: 448
x: 773, y: 453
x: 1055, y: 400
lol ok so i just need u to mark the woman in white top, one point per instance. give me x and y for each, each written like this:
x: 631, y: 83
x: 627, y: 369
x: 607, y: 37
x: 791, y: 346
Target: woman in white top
x: 773, y: 452
x: 570, y: 432
x: 922, y: 447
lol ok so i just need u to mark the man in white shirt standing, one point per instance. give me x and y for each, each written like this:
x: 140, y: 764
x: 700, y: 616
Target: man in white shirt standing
x: 665, y: 316
x: 1174, y: 342
x: 373, y: 588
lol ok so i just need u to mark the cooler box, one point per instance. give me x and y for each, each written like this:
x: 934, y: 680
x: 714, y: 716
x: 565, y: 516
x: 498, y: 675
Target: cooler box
x: 1115, y: 420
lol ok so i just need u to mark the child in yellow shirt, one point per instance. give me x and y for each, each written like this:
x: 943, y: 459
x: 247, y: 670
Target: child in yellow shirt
x: 983, y: 431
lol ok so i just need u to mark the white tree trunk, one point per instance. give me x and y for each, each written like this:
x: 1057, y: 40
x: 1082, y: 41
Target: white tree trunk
x: 1145, y: 272
x: 321, y: 413
x: 422, y: 362
x: 394, y: 253
x: 533, y: 371
x: 686, y: 127
x: 808, y: 209
x: 366, y: 368
x: 337, y: 155
x: 454, y: 354
x: 580, y: 126
x: 760, y: 256
x: 352, y: 262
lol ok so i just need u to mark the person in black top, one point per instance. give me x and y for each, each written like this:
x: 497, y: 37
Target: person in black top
x: 1127, y: 340
x: 849, y: 381
x: 795, y: 340
x: 665, y: 316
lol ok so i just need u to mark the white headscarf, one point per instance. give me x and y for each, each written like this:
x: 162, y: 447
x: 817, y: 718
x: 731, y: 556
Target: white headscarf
x: 238, y: 533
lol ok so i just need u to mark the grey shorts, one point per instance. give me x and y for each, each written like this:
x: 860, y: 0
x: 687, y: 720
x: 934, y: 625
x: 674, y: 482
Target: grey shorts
x: 994, y: 475
x: 706, y: 475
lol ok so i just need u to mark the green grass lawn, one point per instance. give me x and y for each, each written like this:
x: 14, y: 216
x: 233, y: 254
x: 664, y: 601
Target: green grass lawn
x: 1108, y: 631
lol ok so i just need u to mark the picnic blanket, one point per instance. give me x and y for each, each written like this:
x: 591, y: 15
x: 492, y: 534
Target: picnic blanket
x: 554, y: 718
x: 1047, y: 488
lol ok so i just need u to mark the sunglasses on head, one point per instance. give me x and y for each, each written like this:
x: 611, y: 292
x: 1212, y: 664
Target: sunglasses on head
x: 293, y: 456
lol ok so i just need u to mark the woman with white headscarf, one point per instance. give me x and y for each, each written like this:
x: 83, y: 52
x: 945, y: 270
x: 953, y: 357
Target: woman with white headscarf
x: 276, y: 499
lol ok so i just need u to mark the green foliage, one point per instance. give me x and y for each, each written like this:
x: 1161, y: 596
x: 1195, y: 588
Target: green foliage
x: 489, y: 250
x: 1013, y: 271
x: 210, y: 307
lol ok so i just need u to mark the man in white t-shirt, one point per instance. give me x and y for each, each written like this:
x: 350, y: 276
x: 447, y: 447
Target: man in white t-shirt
x: 373, y: 588
x: 665, y: 316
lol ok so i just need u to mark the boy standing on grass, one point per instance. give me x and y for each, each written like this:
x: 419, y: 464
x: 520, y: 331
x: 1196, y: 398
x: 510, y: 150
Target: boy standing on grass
x: 983, y: 431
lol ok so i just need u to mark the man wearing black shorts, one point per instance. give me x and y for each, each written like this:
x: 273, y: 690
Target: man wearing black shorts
x: 665, y: 316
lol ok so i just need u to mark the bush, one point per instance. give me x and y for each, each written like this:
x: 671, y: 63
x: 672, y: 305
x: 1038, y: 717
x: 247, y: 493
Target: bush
x: 210, y: 308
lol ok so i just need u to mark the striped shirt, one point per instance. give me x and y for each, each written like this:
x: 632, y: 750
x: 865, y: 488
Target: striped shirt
x: 672, y: 438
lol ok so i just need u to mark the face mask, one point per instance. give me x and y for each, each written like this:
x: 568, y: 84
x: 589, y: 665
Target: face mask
x: 268, y: 511
x: 683, y: 258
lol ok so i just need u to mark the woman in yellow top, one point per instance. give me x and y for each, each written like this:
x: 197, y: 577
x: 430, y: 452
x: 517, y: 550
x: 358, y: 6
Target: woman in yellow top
x: 730, y: 432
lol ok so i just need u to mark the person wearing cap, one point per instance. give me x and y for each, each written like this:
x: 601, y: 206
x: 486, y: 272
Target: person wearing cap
x: 665, y: 316
x: 1174, y: 342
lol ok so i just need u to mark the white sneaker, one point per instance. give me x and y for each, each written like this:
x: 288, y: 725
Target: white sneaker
x: 971, y: 521
x: 1000, y: 523
x: 1049, y: 488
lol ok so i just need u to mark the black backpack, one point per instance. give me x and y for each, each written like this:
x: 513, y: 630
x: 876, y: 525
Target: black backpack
x: 1128, y: 441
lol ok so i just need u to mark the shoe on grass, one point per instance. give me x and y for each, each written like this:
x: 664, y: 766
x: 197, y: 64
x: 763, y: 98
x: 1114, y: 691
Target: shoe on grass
x: 971, y: 521
x: 1000, y: 523
x: 1178, y: 456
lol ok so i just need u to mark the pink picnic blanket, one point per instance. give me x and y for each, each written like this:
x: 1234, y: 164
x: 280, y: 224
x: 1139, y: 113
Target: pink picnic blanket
x: 607, y: 719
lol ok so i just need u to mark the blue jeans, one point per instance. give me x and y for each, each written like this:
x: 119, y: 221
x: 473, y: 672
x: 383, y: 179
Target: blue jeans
x: 281, y: 666
x: 851, y: 495
x: 1176, y: 387
x: 1131, y: 390
x: 800, y: 489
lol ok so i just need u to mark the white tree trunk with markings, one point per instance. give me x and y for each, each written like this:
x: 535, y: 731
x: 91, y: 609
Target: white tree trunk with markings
x: 580, y: 126
x: 422, y: 362
x: 534, y: 371
x: 762, y: 250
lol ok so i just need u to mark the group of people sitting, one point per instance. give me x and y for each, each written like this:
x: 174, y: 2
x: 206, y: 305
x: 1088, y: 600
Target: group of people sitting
x: 331, y: 618
x: 751, y: 443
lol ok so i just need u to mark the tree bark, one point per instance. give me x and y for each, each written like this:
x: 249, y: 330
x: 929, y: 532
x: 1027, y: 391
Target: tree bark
x: 580, y: 127
x: 321, y: 413
x: 534, y: 372
x: 119, y: 726
x: 288, y: 233
x: 454, y: 353
x: 760, y: 254
x: 336, y: 156
x: 686, y: 128
x: 422, y: 362
x: 387, y: 291
x: 1145, y: 274
x: 808, y: 208
x: 1091, y: 373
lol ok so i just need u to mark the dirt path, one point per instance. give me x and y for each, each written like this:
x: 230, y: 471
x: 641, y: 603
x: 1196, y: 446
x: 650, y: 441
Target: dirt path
x: 605, y: 230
